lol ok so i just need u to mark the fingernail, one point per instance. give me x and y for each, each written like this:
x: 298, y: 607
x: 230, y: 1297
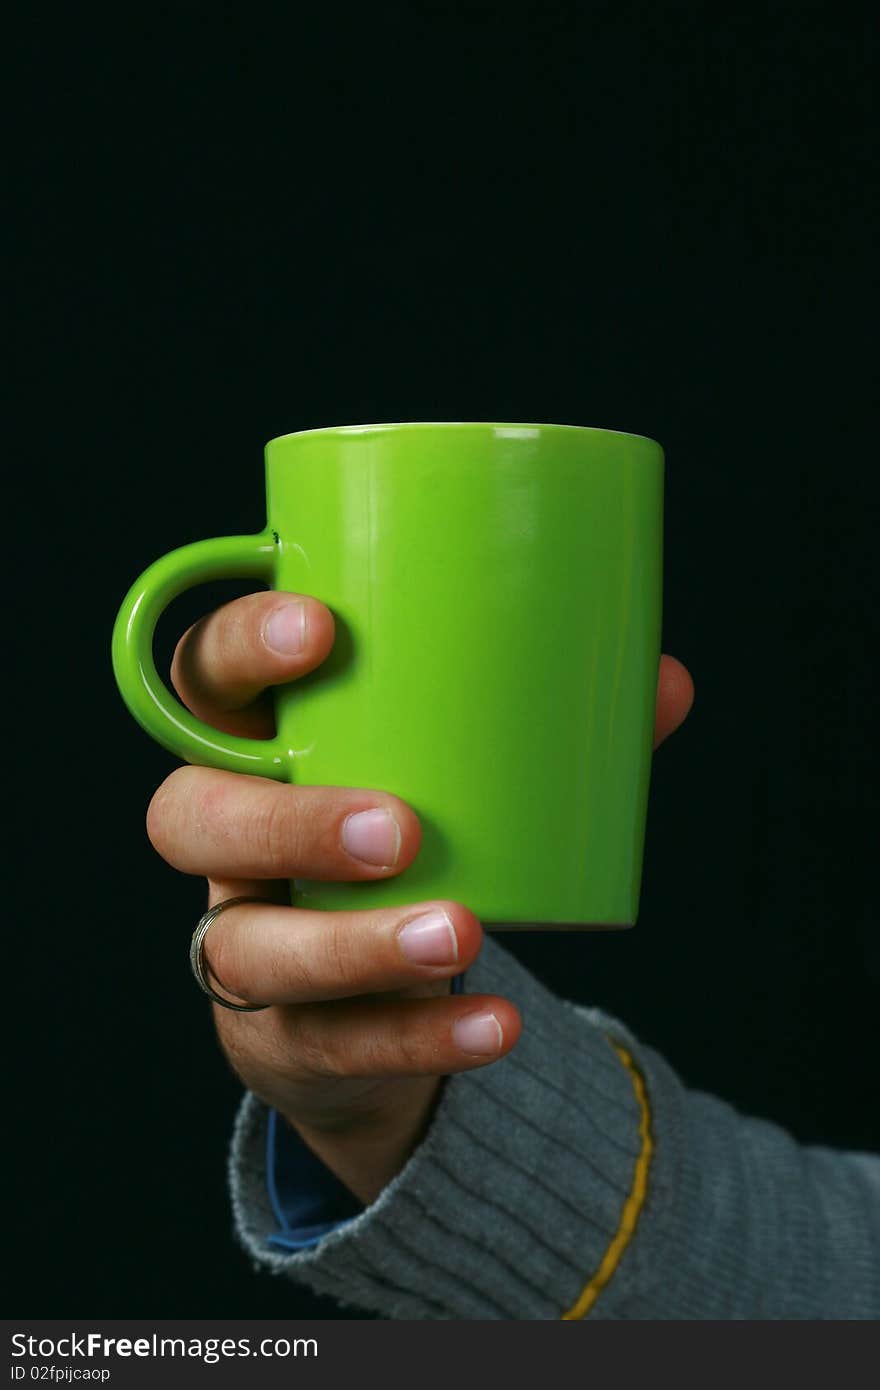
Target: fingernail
x: 478, y: 1034
x: 286, y: 629
x: 373, y: 836
x: 430, y: 939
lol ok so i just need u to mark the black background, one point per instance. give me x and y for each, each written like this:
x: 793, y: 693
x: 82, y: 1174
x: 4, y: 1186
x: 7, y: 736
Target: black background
x: 240, y: 221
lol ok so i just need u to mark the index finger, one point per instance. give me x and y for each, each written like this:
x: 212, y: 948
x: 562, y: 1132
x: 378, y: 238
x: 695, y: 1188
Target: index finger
x: 224, y: 662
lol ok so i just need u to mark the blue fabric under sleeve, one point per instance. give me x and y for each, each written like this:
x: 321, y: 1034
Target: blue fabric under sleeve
x: 307, y: 1198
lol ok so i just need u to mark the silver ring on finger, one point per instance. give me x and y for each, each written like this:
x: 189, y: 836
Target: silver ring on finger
x: 200, y: 968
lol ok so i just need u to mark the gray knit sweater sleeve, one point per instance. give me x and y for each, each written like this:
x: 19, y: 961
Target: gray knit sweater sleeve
x: 578, y: 1178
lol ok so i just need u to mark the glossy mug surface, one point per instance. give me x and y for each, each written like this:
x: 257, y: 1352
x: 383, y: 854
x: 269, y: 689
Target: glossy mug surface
x: 497, y: 596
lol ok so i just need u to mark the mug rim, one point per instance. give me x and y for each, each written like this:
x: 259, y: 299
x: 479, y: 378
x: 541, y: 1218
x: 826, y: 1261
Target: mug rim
x: 514, y: 426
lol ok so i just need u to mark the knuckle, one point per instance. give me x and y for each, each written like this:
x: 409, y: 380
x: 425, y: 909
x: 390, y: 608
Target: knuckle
x: 229, y: 632
x: 237, y: 1042
x: 276, y: 832
x: 289, y: 971
x: 343, y: 963
x: 214, y: 807
x: 410, y: 1049
x: 179, y: 660
x: 287, y: 834
x: 385, y: 1053
x: 223, y: 957
x: 157, y: 818
x: 309, y: 1048
x: 164, y: 810
x: 221, y: 643
x: 249, y: 1047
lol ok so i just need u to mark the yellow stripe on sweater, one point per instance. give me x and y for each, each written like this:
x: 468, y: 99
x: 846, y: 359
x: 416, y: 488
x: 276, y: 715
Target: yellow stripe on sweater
x: 632, y: 1206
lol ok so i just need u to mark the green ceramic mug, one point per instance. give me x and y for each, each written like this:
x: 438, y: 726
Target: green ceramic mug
x: 497, y: 596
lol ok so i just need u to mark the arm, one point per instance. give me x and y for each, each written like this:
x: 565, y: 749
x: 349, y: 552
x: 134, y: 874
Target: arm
x: 578, y: 1178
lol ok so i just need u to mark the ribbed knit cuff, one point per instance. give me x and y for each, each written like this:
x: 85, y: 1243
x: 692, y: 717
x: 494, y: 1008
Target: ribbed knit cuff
x: 755, y: 1226
x: 538, y: 1182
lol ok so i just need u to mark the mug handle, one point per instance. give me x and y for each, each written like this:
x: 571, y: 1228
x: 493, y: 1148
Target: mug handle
x: 147, y: 696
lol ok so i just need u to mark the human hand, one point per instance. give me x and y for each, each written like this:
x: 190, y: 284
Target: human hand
x: 362, y: 1028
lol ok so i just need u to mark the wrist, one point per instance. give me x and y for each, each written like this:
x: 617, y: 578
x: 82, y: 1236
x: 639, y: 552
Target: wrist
x: 367, y: 1149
